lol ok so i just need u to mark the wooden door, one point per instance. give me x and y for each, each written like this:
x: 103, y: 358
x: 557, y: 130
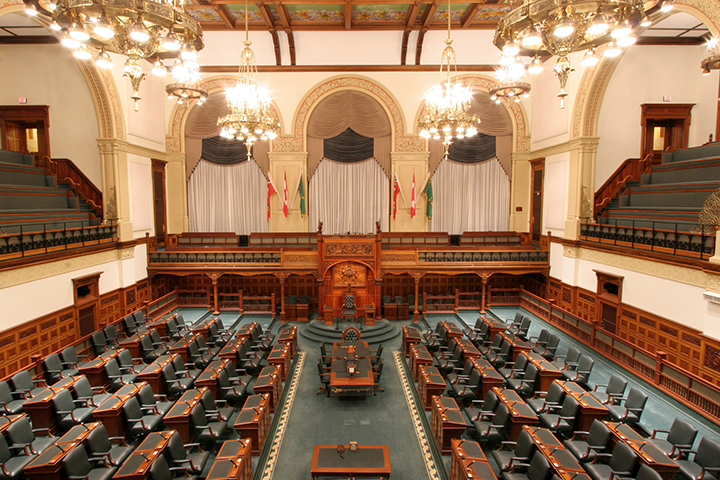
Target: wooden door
x: 536, y: 204
x: 159, y: 200
x: 14, y: 137
x: 666, y: 127
x: 609, y: 317
x: 86, y: 320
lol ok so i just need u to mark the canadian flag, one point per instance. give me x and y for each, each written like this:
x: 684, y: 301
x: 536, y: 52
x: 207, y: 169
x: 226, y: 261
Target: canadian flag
x: 396, y: 191
x: 412, y: 199
x: 285, y: 205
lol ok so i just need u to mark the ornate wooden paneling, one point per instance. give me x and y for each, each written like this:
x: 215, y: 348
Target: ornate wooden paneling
x: 685, y: 347
x: 56, y: 330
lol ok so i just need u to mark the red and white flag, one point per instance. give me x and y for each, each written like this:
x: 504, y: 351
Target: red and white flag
x: 271, y: 192
x: 285, y: 205
x: 396, y: 191
x: 412, y: 199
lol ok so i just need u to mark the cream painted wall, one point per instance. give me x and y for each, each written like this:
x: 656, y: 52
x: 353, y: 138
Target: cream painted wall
x: 49, y: 75
x: 555, y: 193
x: 641, y: 77
x: 141, y: 200
x: 146, y: 126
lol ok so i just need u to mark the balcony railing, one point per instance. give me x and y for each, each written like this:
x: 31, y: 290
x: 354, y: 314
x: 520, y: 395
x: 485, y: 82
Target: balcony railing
x: 25, y: 244
x: 677, y: 240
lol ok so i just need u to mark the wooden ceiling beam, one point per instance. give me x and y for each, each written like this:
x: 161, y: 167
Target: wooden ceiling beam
x: 291, y: 44
x: 284, y: 15
x: 427, y: 18
x: 469, y: 15
x: 270, y: 23
x: 226, y: 16
x: 410, y: 18
x: 347, y: 13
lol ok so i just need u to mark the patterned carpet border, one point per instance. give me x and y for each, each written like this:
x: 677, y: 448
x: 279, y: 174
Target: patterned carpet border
x: 284, y: 416
x: 423, y: 440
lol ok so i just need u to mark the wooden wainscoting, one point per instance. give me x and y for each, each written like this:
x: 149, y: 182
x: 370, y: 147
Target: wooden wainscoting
x: 54, y: 331
x: 685, y: 347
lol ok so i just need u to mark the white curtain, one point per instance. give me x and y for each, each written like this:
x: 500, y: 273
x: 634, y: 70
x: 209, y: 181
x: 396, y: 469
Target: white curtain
x: 349, y: 197
x: 227, y: 198
x: 470, y: 198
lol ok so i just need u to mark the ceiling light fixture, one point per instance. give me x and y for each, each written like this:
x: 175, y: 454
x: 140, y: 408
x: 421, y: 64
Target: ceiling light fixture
x: 447, y: 102
x: 249, y: 118
x: 567, y: 26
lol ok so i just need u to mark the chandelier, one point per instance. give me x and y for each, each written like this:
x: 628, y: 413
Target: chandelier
x: 137, y: 29
x: 713, y: 61
x: 561, y: 27
x: 184, y: 87
x: 447, y: 103
x: 510, y: 86
x: 249, y: 118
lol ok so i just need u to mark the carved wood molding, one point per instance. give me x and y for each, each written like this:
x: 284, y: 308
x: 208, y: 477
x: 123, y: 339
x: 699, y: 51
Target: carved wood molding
x: 356, y: 249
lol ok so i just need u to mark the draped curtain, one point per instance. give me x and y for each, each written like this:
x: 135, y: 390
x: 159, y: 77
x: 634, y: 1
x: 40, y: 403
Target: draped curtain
x: 495, y: 121
x: 227, y: 198
x: 470, y: 197
x: 353, y: 197
x: 349, y: 109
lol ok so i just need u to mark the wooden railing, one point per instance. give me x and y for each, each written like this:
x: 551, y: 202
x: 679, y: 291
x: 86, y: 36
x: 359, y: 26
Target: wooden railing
x: 630, y: 171
x: 257, y: 304
x: 66, y: 171
x: 686, y: 387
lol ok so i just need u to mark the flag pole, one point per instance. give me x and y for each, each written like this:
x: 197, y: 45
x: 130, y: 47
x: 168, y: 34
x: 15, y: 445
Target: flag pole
x: 401, y: 191
x: 296, y: 190
x: 425, y: 183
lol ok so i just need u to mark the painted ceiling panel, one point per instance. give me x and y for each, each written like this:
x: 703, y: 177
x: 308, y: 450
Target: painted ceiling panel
x: 456, y: 11
x: 316, y: 13
x: 380, y: 13
x: 238, y: 13
x: 204, y: 14
x: 492, y: 12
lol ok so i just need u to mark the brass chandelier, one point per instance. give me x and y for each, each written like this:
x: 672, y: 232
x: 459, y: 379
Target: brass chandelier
x: 561, y: 27
x: 447, y: 103
x: 510, y: 85
x: 137, y: 29
x: 249, y: 118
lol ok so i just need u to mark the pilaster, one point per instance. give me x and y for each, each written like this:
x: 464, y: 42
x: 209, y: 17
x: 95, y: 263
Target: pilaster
x: 404, y: 164
x: 520, y: 191
x: 116, y: 186
x: 176, y: 188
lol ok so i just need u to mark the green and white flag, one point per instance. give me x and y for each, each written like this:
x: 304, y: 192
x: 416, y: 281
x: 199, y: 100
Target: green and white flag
x: 429, y: 194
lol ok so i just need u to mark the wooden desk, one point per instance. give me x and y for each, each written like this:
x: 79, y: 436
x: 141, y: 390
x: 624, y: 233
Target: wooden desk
x: 303, y: 312
x: 359, y: 383
x: 468, y: 461
x: 230, y: 349
x: 253, y: 421
x: 244, y: 331
x: 137, y: 466
x: 232, y: 462
x: 208, y: 377
x: 289, y: 336
x: 110, y: 412
x: 489, y: 376
x: 40, y: 408
x: 132, y: 343
x: 366, y: 461
x: 495, y: 326
x: 152, y: 373
x: 48, y: 465
x: 646, y: 452
x: 419, y: 355
x: 469, y: 350
x: 178, y: 417
x: 410, y: 336
x: 453, y: 331
x: 431, y: 384
x: 203, y: 326
x: 561, y: 461
x: 160, y: 325
x: 280, y: 356
x: 94, y: 370
x: 590, y: 407
x: 520, y: 412
x: 518, y: 344
x: 547, y: 371
x: 447, y: 422
x: 391, y: 311
x: 181, y: 346
x: 269, y: 382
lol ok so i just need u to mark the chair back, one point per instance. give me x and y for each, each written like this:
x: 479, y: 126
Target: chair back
x: 491, y: 401
x: 539, y: 468
x: 379, y: 351
x: 531, y: 373
x: 63, y: 401
x: 5, y: 393
x: 584, y: 368
x: 146, y: 395
x: 69, y: 355
x: 636, y: 399
x: 53, y: 367
x: 22, y: 381
x: 502, y: 414
x: 207, y: 400
x: 623, y: 458
x: 573, y: 355
x: 321, y: 370
x: 570, y: 407
x: 525, y: 445
x: 111, y: 332
x: 112, y: 368
x: 599, y: 434
x: 98, y: 441
x: 146, y: 344
x: 543, y: 337
x: 129, y: 324
x: 555, y: 393
x: 349, y: 302
x: 524, y: 327
x: 552, y: 344
x: 124, y: 358
x: 76, y: 463
x: 398, y: 299
x: 82, y: 387
x: 616, y: 385
x: 168, y: 373
x: 139, y: 318
x: 131, y: 409
x: 304, y: 299
x: 99, y: 342
x: 5, y: 454
x: 20, y: 431
x: 160, y: 470
x: 682, y: 433
x: 197, y: 416
x: 172, y: 328
x: 708, y: 453
x: 176, y: 448
x: 521, y: 362
x: 351, y: 334
x: 155, y: 336
x: 646, y: 472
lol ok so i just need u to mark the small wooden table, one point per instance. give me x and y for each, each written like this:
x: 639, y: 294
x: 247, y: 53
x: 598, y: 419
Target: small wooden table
x: 366, y: 461
x: 152, y: 373
x: 468, y: 461
x: 410, y: 336
x: 489, y: 376
x: 646, y: 452
x: 431, y: 384
x: 342, y: 381
x: 110, y: 412
x: 561, y: 461
x: 232, y: 461
x: 547, y: 371
x: 40, y: 408
x: 419, y: 355
x: 520, y: 412
x: 518, y: 344
x: 137, y: 466
x: 209, y: 377
x: 48, y: 465
x: 178, y: 417
x: 94, y: 370
x: 447, y: 422
x: 469, y: 350
x: 269, y: 382
x: 289, y: 336
x: 590, y: 407
x: 280, y: 356
x: 132, y: 343
x: 181, y: 346
x: 253, y: 421
x: 495, y: 326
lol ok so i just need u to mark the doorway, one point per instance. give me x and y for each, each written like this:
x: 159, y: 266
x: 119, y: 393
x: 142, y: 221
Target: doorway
x: 158, y: 180
x: 26, y: 129
x: 537, y: 178
x: 666, y: 127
